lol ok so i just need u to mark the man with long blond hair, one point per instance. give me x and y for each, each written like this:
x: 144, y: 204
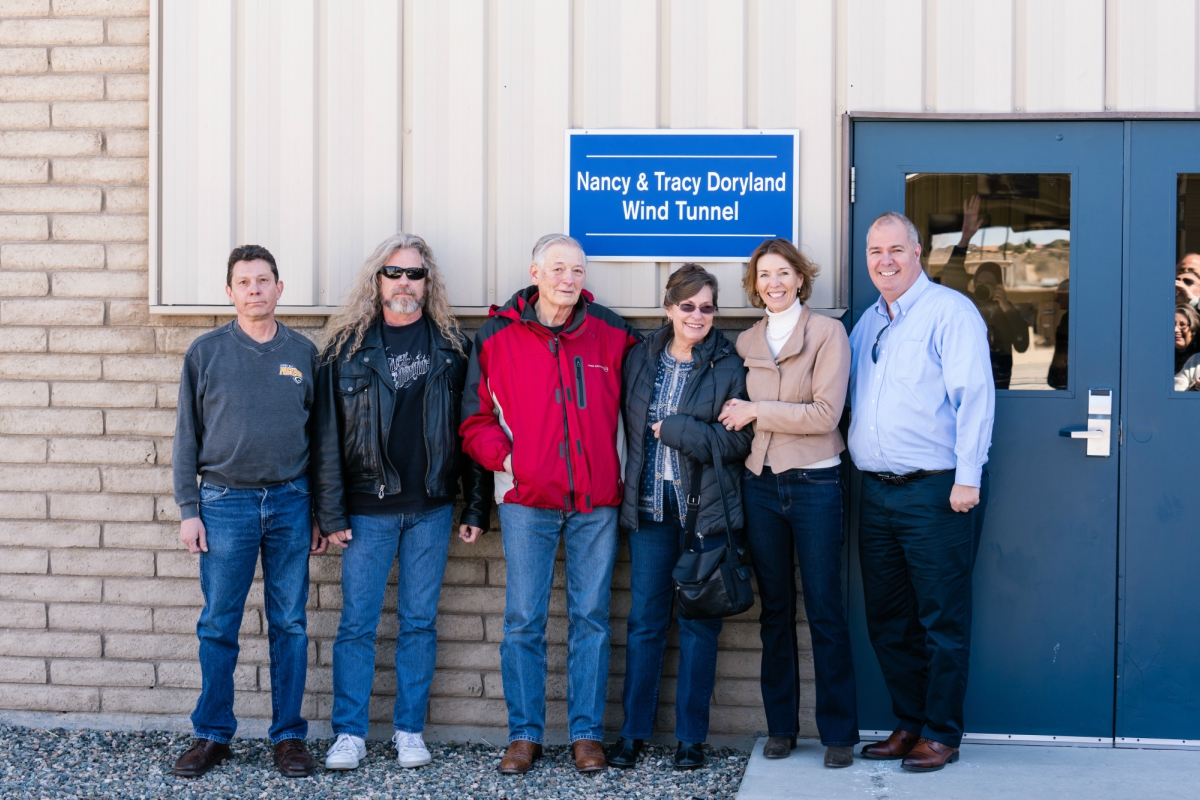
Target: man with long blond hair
x: 392, y: 372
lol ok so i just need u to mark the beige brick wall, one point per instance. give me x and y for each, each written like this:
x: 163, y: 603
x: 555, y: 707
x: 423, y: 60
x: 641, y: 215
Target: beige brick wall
x: 98, y: 603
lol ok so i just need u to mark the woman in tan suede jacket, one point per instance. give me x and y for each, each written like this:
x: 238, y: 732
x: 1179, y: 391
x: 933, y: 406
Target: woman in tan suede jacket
x: 797, y: 373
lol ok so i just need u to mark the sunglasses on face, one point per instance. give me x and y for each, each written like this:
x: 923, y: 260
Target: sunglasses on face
x: 413, y: 273
x: 708, y: 309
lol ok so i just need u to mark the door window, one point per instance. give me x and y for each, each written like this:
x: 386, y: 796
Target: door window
x: 1004, y: 240
x: 1187, y: 283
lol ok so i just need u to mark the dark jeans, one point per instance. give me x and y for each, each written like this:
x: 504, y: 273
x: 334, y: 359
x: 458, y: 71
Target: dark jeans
x: 653, y: 551
x: 801, y: 511
x: 917, y: 555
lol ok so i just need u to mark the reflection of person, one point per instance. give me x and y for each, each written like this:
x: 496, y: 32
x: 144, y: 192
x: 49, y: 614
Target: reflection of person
x: 244, y: 424
x: 1056, y: 376
x: 798, y: 364
x: 922, y: 402
x: 954, y: 274
x: 1007, y: 329
x: 541, y: 410
x: 1187, y: 326
x: 392, y: 374
x: 1187, y: 280
x: 675, y: 384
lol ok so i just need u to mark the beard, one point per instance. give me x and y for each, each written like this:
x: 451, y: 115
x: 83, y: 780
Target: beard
x: 403, y: 303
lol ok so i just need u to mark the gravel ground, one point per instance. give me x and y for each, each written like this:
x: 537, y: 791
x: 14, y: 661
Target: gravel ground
x: 39, y: 764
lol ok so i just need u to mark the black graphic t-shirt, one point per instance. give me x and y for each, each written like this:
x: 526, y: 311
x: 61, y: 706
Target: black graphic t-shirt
x: 408, y: 352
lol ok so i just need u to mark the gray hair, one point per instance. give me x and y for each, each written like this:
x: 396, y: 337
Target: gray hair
x: 551, y: 239
x: 914, y: 237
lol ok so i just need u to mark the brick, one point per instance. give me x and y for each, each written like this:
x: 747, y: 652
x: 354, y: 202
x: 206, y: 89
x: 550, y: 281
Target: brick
x: 176, y: 564
x: 22, y: 449
x: 51, y: 199
x: 16, y: 505
x: 23, y: 560
x: 22, y: 60
x: 116, y: 507
x: 164, y: 447
x: 101, y: 170
x: 107, y: 228
x: 100, y: 59
x: 26, y: 8
x: 51, y: 31
x: 24, y: 393
x: 103, y: 562
x: 24, y: 115
x: 24, y: 170
x: 100, y: 284
x: 69, y: 672
x: 126, y: 143
x: 104, y: 114
x: 52, y: 312
x: 22, y: 340
x: 165, y: 510
x: 186, y: 320
x: 152, y: 536
x: 23, y: 284
x: 101, y: 8
x: 146, y: 480
x: 23, y: 670
x: 49, y: 588
x: 129, y: 256
x: 148, y: 701
x: 49, y: 644
x: 153, y: 646
x: 48, y: 143
x: 460, y: 711
x: 177, y: 340
x: 51, y: 366
x: 129, y: 31
x: 102, y: 340
x: 49, y: 256
x: 168, y: 395
x: 158, y: 592
x: 137, y: 423
x: 102, y: 451
x: 99, y: 617
x: 127, y: 87
x: 143, y: 368
x: 465, y: 655
x: 49, y: 698
x: 51, y: 421
x: 448, y: 683
x: 50, y: 534
x: 31, y: 478
x: 465, y: 571
x: 187, y: 676
x: 22, y: 615
x: 104, y: 395
x: 126, y: 200
x: 23, y: 88
x: 183, y: 620
x: 478, y: 600
x: 128, y: 312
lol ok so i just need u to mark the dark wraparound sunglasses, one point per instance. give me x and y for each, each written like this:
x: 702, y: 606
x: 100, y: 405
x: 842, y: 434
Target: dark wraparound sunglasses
x: 413, y: 273
x: 875, y: 347
x: 706, y: 309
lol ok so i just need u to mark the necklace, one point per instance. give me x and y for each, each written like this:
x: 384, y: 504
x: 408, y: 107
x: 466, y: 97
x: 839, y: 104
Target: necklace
x: 785, y: 335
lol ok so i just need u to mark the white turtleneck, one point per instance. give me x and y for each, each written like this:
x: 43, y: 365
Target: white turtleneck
x: 780, y: 327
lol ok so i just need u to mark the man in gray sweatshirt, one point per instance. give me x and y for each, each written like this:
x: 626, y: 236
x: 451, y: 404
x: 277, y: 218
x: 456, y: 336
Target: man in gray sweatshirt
x: 243, y: 427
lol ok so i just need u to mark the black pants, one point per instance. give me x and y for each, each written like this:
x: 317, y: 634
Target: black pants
x: 917, y: 555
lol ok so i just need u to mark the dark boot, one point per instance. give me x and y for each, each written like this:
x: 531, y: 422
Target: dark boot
x: 779, y: 746
x: 624, y: 752
x: 839, y: 756
x: 689, y: 756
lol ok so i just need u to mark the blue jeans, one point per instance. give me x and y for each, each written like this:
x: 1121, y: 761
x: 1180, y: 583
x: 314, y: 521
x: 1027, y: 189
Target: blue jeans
x: 653, y: 551
x: 530, y: 542
x: 422, y: 542
x: 800, y: 511
x: 239, y: 524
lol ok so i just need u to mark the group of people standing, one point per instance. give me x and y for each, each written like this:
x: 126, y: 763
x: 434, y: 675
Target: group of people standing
x: 582, y: 430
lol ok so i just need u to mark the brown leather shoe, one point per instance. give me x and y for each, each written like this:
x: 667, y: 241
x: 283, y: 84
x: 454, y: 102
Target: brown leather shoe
x: 929, y: 756
x: 895, y: 746
x: 293, y: 760
x: 203, y: 755
x: 589, y: 756
x: 519, y: 757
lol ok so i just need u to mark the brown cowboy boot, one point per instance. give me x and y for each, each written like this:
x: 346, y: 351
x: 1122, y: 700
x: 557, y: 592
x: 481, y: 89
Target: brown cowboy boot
x: 519, y: 757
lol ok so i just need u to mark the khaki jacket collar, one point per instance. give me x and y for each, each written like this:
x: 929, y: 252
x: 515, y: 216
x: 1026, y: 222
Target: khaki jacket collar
x: 759, y: 350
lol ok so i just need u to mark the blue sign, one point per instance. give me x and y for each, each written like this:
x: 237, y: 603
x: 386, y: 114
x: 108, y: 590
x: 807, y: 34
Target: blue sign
x: 680, y: 195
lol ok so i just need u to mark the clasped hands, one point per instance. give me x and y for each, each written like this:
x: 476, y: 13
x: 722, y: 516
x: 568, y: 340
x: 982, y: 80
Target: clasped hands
x: 737, y: 414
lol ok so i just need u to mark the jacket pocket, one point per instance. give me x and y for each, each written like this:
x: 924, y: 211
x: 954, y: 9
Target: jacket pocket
x: 358, y: 425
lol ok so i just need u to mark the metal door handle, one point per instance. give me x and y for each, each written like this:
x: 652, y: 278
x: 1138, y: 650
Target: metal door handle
x: 1076, y: 432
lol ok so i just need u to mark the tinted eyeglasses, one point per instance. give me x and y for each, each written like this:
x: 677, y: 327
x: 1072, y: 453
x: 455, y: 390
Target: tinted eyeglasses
x: 875, y: 347
x: 413, y: 273
x: 708, y: 309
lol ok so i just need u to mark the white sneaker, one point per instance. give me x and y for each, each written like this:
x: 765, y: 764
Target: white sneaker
x: 411, y: 750
x: 346, y: 752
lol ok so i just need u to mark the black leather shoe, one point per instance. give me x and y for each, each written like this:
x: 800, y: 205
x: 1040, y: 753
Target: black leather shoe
x: 203, y: 755
x: 293, y: 760
x: 689, y: 756
x: 624, y: 752
x: 779, y: 746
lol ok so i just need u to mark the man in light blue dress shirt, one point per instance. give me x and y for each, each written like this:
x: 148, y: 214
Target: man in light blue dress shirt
x: 922, y: 403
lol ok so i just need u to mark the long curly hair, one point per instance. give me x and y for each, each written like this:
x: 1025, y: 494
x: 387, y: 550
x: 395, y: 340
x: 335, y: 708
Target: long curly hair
x: 346, y: 329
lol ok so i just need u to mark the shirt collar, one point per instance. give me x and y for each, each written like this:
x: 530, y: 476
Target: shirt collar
x: 904, y: 302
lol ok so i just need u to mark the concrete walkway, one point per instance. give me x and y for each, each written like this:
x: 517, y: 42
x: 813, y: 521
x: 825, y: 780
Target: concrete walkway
x: 983, y: 772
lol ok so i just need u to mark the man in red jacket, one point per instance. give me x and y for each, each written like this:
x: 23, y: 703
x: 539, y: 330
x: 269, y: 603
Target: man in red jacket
x: 540, y: 409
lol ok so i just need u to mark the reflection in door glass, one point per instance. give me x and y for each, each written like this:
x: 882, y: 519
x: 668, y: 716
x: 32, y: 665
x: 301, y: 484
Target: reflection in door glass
x: 1187, y: 284
x: 1004, y: 240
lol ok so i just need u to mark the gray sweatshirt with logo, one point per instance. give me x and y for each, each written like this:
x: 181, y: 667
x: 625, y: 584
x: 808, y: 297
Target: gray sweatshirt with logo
x: 243, y: 417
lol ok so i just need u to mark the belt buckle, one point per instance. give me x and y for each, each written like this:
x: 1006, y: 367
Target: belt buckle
x: 894, y: 480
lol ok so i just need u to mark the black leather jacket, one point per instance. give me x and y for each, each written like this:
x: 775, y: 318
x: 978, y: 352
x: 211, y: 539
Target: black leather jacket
x: 356, y: 395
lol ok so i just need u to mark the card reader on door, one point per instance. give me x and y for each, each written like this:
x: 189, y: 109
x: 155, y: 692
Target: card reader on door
x: 1098, y: 430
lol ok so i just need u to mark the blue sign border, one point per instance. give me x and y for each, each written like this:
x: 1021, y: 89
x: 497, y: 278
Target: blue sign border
x: 660, y: 257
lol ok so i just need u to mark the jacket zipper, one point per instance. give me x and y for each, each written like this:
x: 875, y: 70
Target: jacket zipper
x: 566, y: 427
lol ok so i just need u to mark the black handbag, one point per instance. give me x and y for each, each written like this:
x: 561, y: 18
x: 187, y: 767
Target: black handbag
x: 714, y: 583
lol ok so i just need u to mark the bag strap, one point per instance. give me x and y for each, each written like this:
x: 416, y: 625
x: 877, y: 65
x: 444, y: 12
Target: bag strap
x: 693, y: 507
x: 734, y: 538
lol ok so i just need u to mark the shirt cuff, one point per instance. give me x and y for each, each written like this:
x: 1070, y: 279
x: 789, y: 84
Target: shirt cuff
x: 189, y: 511
x: 968, y: 476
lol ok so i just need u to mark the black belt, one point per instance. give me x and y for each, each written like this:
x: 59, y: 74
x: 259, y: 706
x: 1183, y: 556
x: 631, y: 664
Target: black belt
x: 892, y: 479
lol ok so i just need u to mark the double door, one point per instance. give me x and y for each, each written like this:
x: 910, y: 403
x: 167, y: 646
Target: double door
x: 1067, y: 235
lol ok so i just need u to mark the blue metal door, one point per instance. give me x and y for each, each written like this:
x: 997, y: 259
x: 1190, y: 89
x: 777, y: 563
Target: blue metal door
x: 1044, y: 638
x: 1158, y: 665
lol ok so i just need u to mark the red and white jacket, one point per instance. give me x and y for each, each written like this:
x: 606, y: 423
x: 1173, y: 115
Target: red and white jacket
x: 551, y: 401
